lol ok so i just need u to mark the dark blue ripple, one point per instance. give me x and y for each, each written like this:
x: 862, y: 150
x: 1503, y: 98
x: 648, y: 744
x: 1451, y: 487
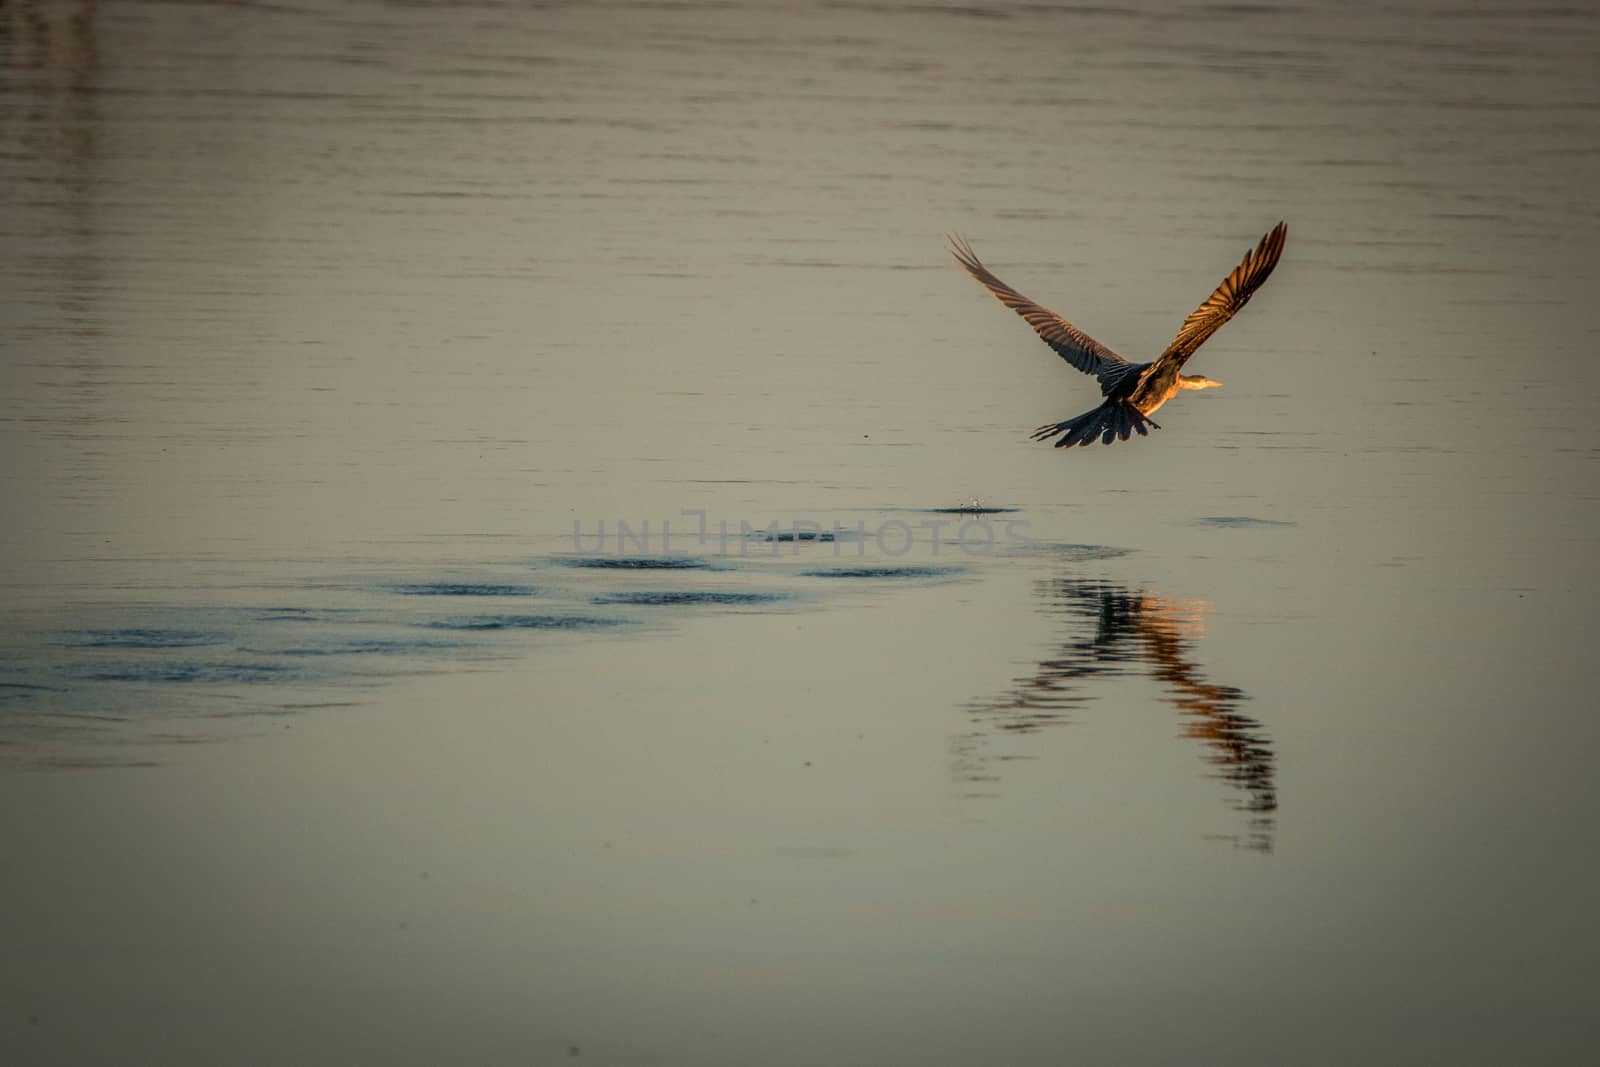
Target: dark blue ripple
x: 178, y: 671
x: 667, y: 597
x: 141, y: 637
x: 463, y: 589
x: 359, y: 647
x: 525, y: 622
x: 882, y: 572
x: 635, y: 563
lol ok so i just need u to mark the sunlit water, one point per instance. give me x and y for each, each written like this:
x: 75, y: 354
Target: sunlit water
x: 521, y: 545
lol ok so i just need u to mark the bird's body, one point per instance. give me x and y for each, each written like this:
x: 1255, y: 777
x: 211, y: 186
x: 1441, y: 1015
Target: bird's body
x: 1132, y: 391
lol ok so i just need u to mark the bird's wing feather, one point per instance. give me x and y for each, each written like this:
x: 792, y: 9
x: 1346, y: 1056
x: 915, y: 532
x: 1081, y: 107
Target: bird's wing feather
x: 1120, y: 378
x: 1071, y: 343
x: 1230, y: 296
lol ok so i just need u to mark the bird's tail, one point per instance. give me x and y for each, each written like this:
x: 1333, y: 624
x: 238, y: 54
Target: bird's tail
x: 1112, y: 421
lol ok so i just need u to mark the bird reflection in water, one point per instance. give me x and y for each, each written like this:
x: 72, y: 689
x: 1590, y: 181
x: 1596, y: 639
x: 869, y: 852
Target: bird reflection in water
x: 1132, y: 631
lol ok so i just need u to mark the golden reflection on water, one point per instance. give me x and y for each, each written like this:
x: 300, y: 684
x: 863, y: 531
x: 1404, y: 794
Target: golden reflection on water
x: 1130, y: 631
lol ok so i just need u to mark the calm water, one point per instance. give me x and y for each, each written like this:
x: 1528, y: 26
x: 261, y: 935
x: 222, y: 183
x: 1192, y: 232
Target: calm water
x: 490, y: 572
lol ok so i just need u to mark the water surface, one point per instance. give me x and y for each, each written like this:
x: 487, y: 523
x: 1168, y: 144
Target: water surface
x: 521, y: 545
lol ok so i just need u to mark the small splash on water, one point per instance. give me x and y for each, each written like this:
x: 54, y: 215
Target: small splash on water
x: 669, y: 597
x: 524, y: 622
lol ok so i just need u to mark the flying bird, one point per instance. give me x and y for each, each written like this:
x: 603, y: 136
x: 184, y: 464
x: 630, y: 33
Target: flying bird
x: 1132, y: 391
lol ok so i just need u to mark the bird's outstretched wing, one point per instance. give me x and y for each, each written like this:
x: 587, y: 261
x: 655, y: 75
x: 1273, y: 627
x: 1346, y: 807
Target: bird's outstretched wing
x: 1071, y: 343
x: 1231, y: 295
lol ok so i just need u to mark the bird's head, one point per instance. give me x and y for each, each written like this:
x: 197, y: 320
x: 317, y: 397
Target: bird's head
x: 1197, y: 381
